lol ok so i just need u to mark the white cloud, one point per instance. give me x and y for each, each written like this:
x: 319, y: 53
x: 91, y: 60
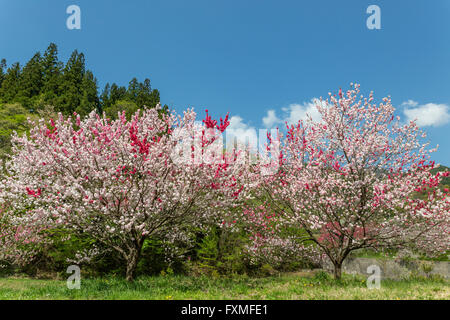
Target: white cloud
x: 271, y: 119
x: 240, y: 131
x: 430, y: 114
x: 293, y: 113
x: 296, y: 112
x: 410, y: 103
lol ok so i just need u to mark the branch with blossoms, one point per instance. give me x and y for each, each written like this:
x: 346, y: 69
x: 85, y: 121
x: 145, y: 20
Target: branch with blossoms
x: 121, y: 181
x: 347, y: 180
x: 20, y: 242
x: 274, y: 242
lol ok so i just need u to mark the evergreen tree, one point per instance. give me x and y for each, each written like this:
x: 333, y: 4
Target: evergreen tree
x: 71, y: 84
x: 141, y: 93
x: 2, y: 72
x: 146, y: 96
x: 89, y: 99
x: 117, y: 93
x: 133, y: 90
x: 105, y: 98
x: 111, y: 95
x: 45, y: 81
x: 51, y: 74
x: 30, y: 83
x: 10, y: 84
x: 45, y: 86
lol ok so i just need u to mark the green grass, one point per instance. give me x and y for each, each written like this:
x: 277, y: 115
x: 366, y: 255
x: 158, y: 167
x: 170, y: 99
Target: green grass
x: 294, y: 286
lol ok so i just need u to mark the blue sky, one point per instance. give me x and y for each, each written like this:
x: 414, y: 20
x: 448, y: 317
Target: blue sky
x: 251, y: 57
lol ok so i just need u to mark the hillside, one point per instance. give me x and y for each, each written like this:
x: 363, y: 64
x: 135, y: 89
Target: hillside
x: 446, y: 180
x: 45, y: 86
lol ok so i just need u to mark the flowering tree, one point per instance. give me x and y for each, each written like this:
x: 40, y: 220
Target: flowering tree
x: 19, y: 243
x: 271, y: 240
x: 347, y: 182
x: 120, y: 181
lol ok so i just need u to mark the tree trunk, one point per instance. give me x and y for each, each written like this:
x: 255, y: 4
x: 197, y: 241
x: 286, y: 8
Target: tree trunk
x: 337, y: 270
x: 132, y: 262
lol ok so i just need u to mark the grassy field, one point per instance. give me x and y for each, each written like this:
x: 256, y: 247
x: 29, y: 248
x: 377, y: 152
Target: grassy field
x: 294, y: 286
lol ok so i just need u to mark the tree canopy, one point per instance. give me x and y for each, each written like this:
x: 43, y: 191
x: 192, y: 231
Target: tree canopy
x: 69, y: 87
x: 45, y: 81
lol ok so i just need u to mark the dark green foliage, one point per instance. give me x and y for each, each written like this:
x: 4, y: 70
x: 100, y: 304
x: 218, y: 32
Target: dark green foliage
x: 65, y: 246
x: 89, y: 99
x: 46, y: 81
x: 154, y: 260
x: 2, y: 70
x: 71, y: 84
x: 117, y: 93
x: 115, y: 98
x: 10, y: 84
x: 105, y: 97
x: 30, y: 82
x: 51, y: 75
x: 142, y: 94
x: 53, y: 258
x: 220, y: 252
